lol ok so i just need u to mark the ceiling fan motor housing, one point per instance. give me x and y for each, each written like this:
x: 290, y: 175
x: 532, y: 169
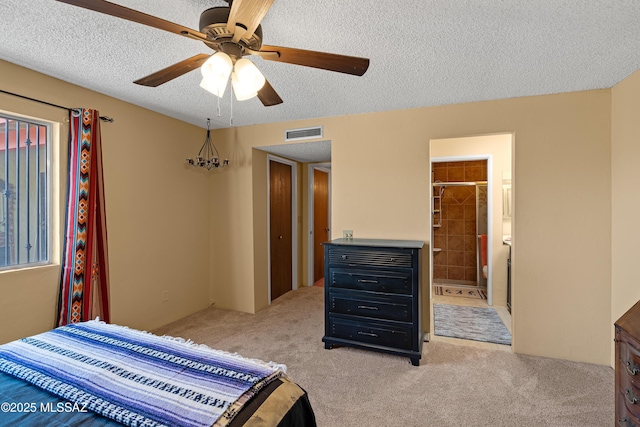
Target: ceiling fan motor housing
x: 213, y: 23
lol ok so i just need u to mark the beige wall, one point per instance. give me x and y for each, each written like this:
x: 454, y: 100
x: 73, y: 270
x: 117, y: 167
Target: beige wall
x: 239, y: 244
x: 380, y: 189
x: 165, y: 233
x: 157, y: 213
x: 499, y: 148
x: 625, y: 175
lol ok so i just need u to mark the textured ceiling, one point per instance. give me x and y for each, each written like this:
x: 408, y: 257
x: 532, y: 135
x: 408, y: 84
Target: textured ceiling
x: 423, y: 52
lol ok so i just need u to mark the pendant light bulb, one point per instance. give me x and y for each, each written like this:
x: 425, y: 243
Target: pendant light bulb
x: 242, y: 91
x: 215, y: 73
x: 248, y: 75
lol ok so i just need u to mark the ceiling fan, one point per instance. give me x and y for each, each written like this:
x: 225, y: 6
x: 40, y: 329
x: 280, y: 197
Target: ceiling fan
x: 234, y: 30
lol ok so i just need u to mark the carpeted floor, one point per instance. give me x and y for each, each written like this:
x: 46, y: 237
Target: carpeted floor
x: 470, y: 323
x: 455, y: 385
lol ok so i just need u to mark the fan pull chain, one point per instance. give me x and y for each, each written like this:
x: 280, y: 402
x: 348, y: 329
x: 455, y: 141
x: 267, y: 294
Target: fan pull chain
x: 231, y: 117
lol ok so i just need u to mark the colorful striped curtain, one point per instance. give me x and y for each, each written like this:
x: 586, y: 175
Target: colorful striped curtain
x: 84, y: 284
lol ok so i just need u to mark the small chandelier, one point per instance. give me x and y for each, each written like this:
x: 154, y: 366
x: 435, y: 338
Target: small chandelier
x: 208, y: 156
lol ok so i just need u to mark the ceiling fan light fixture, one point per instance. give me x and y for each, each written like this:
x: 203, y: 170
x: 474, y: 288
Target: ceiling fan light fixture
x: 215, y: 73
x: 215, y: 87
x: 241, y: 91
x: 248, y: 75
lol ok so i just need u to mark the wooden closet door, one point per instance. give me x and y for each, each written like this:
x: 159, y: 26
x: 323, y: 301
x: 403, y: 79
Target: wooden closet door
x: 281, y: 224
x: 320, y: 220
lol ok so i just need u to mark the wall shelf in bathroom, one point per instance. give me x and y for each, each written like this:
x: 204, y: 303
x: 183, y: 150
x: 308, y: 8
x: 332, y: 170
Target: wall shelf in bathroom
x: 437, y: 249
x: 436, y: 212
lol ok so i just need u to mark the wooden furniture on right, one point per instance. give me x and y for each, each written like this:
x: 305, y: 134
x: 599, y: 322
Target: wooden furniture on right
x: 628, y: 368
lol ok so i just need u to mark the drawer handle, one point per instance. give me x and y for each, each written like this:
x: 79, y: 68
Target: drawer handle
x: 368, y: 307
x: 626, y: 422
x: 369, y: 334
x: 632, y: 371
x: 631, y: 396
x: 367, y: 281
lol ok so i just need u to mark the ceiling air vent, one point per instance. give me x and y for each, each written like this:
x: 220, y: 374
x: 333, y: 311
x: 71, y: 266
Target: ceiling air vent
x: 303, y: 133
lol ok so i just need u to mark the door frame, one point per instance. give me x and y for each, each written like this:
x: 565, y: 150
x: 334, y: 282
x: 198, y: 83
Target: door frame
x: 465, y: 158
x: 294, y: 220
x: 324, y: 167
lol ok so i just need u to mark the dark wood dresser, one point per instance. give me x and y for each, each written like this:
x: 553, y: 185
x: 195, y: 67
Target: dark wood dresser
x: 372, y: 296
x: 628, y: 368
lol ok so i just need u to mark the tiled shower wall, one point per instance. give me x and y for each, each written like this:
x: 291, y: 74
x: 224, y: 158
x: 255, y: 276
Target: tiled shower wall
x: 457, y: 237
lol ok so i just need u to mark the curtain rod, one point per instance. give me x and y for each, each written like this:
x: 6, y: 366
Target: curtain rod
x: 103, y: 118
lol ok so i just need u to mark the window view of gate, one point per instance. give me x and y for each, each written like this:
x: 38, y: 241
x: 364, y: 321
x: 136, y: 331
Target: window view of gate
x: 24, y: 207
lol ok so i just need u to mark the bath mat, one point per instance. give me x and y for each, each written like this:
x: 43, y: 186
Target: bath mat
x: 470, y: 323
x: 459, y: 291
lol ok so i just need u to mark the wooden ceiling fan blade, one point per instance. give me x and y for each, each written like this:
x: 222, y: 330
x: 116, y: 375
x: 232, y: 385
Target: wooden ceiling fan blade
x: 326, y: 61
x: 268, y: 96
x: 173, y: 71
x: 247, y: 14
x: 118, y: 11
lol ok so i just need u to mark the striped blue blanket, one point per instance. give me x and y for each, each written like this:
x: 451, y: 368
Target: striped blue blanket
x: 137, y: 378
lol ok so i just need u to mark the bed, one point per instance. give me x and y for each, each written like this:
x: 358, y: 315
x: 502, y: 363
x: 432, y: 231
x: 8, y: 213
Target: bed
x: 97, y: 374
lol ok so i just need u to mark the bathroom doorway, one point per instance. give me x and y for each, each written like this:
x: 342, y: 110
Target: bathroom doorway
x: 469, y: 262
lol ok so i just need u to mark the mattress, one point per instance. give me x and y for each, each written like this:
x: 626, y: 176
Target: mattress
x: 94, y: 374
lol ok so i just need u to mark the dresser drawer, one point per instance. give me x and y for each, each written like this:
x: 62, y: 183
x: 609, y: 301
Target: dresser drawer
x: 628, y: 376
x: 371, y: 333
x: 370, y: 257
x: 360, y: 304
x: 630, y: 392
x: 631, y: 398
x: 392, y: 282
x: 624, y: 418
x: 627, y: 412
x: 629, y: 361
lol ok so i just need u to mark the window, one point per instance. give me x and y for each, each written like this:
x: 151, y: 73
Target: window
x: 24, y: 192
